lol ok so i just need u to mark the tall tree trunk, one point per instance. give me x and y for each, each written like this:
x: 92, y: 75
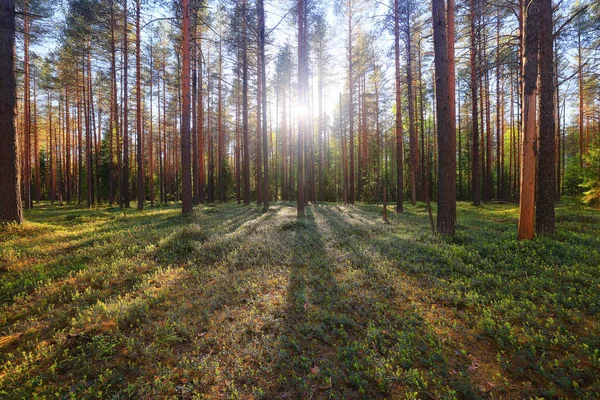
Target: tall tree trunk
x: 10, y: 191
x: 546, y: 162
x: 499, y: 100
x: 125, y: 173
x: 238, y: 137
x: 451, y: 87
x: 580, y: 83
x: 446, y: 218
x: 51, y: 152
x: 194, y: 107
x: 27, y: 198
x: 263, y: 78
x: 399, y: 138
x: 141, y: 190
x: 186, y: 173
x: 36, y: 147
x: 528, y: 150
x: 475, y: 181
x: 88, y: 131
x: 302, y: 98
x: 201, y: 171
x: 220, y: 131
x: 246, y: 146
x: 412, y: 134
x: 351, y: 106
x: 321, y: 122
x: 114, y: 119
x: 258, y: 160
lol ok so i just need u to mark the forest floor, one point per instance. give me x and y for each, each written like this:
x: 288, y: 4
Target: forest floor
x: 236, y: 303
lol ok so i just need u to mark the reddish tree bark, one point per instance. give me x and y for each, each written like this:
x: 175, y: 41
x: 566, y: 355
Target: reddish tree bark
x: 186, y: 173
x: 10, y: 191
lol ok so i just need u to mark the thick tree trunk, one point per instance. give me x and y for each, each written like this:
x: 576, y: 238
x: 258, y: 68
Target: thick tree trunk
x: 529, y: 146
x: 446, y: 218
x: 10, y: 191
x: 546, y: 162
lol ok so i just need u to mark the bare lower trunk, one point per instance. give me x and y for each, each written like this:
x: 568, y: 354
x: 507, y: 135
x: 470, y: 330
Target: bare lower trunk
x: 528, y: 149
x: 10, y: 192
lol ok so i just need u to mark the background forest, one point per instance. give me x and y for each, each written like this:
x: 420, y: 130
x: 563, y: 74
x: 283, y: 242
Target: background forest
x: 100, y: 101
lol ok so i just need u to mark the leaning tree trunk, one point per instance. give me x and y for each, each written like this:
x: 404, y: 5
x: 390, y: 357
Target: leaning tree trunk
x: 10, y: 191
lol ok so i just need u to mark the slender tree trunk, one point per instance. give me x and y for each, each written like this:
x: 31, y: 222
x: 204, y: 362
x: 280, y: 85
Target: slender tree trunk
x: 580, y: 82
x: 263, y: 78
x: 499, y: 100
x: 201, y: 170
x: 114, y: 119
x: 302, y: 98
x: 194, y: 107
x: 258, y: 160
x: 51, y: 152
x: 220, y: 131
x: 88, y: 132
x: 399, y: 138
x: 412, y: 135
x: 186, y: 173
x: 559, y: 157
x: 475, y: 181
x: 36, y: 146
x: 238, y: 138
x: 344, y: 155
x: 27, y: 198
x: 246, y: 146
x: 125, y: 173
x: 151, y: 131
x: 141, y: 190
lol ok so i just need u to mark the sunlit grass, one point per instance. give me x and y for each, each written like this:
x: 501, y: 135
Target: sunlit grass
x: 237, y: 303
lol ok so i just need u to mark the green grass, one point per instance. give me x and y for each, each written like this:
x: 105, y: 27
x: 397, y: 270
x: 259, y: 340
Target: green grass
x: 236, y: 303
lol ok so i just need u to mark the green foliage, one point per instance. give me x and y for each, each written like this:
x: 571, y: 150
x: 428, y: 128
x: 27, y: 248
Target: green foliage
x: 591, y: 184
x: 233, y: 302
x: 573, y: 177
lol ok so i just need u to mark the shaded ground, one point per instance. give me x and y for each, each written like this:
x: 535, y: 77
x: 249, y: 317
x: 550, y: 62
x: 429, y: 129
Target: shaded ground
x: 236, y: 303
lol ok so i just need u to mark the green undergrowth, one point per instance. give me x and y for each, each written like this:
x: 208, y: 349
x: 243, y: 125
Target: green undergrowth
x: 233, y: 302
